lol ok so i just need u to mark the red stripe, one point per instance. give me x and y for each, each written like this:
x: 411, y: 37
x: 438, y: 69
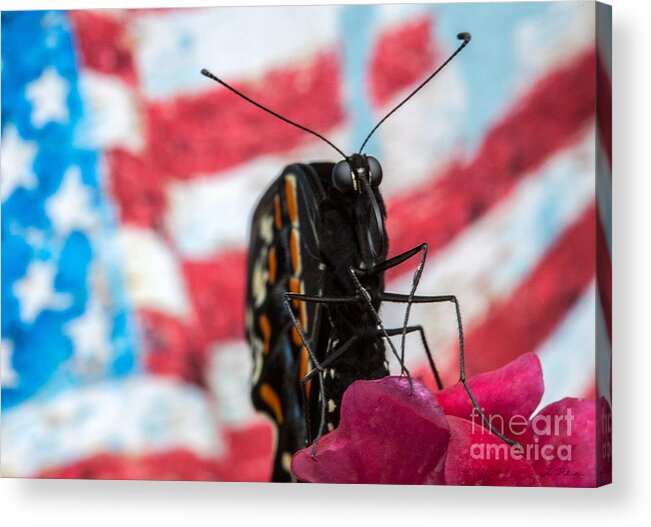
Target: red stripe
x: 217, y: 288
x: 217, y: 130
x: 249, y: 453
x: 604, y: 277
x: 401, y: 57
x: 137, y: 188
x: 173, y: 348
x: 248, y: 458
x: 548, y: 119
x: 604, y: 109
x: 521, y: 322
x: 175, y: 465
x: 103, y: 43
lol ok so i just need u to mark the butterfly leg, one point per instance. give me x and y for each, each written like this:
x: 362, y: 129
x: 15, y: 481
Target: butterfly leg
x: 318, y: 367
x: 366, y: 296
x: 310, y: 298
x: 398, y: 260
x: 393, y: 297
x: 318, y: 370
x: 363, y: 296
x: 411, y: 329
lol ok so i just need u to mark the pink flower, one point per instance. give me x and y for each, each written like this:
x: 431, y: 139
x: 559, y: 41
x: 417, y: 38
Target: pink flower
x: 384, y: 436
x: 388, y: 436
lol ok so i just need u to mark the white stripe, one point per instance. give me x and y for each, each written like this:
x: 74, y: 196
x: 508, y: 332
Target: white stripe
x: 486, y: 262
x: 232, y: 42
x: 420, y: 139
x: 111, y: 115
x: 152, y: 274
x: 210, y: 213
x: 229, y: 377
x: 136, y: 416
x: 568, y: 355
x: 551, y: 39
x: 393, y: 15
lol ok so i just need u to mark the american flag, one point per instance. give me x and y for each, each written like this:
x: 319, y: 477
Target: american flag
x: 128, y: 181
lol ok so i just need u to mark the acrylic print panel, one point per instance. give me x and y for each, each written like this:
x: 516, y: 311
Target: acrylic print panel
x: 129, y: 185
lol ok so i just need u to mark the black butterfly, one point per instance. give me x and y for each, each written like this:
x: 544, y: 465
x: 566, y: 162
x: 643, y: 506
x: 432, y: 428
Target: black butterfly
x: 316, y: 263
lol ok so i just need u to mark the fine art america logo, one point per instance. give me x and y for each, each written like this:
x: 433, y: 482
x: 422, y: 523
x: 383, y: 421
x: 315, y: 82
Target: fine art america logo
x: 543, y: 426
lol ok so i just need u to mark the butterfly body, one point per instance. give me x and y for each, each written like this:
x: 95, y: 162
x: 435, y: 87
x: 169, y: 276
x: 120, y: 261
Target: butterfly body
x: 306, y: 236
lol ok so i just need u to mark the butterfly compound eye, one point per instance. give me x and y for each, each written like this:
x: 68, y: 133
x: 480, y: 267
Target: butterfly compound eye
x: 342, y: 178
x: 375, y: 171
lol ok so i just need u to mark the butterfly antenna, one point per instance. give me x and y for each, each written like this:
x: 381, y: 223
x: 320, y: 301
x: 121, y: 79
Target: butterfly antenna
x: 277, y: 115
x: 461, y: 36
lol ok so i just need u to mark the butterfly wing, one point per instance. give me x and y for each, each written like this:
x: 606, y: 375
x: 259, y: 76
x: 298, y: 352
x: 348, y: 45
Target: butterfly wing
x: 284, y: 256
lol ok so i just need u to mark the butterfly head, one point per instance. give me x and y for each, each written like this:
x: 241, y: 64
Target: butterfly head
x: 350, y: 174
x: 357, y: 178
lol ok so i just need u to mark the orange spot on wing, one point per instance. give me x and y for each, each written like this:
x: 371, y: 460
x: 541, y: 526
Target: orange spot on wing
x: 304, y: 361
x: 278, y: 215
x: 296, y: 337
x: 271, y: 399
x: 265, y: 328
x: 290, y: 197
x: 295, y: 287
x: 303, y: 317
x: 272, y: 265
x: 294, y: 252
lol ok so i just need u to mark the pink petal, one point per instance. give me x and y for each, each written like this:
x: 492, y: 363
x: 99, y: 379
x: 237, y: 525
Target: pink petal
x: 477, y: 457
x: 508, y: 396
x: 562, y: 443
x: 385, y: 435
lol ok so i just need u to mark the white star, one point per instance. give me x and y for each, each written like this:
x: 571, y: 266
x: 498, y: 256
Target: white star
x: 90, y: 335
x: 48, y: 96
x: 35, y: 291
x: 8, y: 376
x: 70, y: 207
x: 17, y: 160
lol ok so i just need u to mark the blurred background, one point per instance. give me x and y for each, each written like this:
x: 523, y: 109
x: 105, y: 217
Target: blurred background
x: 128, y: 180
